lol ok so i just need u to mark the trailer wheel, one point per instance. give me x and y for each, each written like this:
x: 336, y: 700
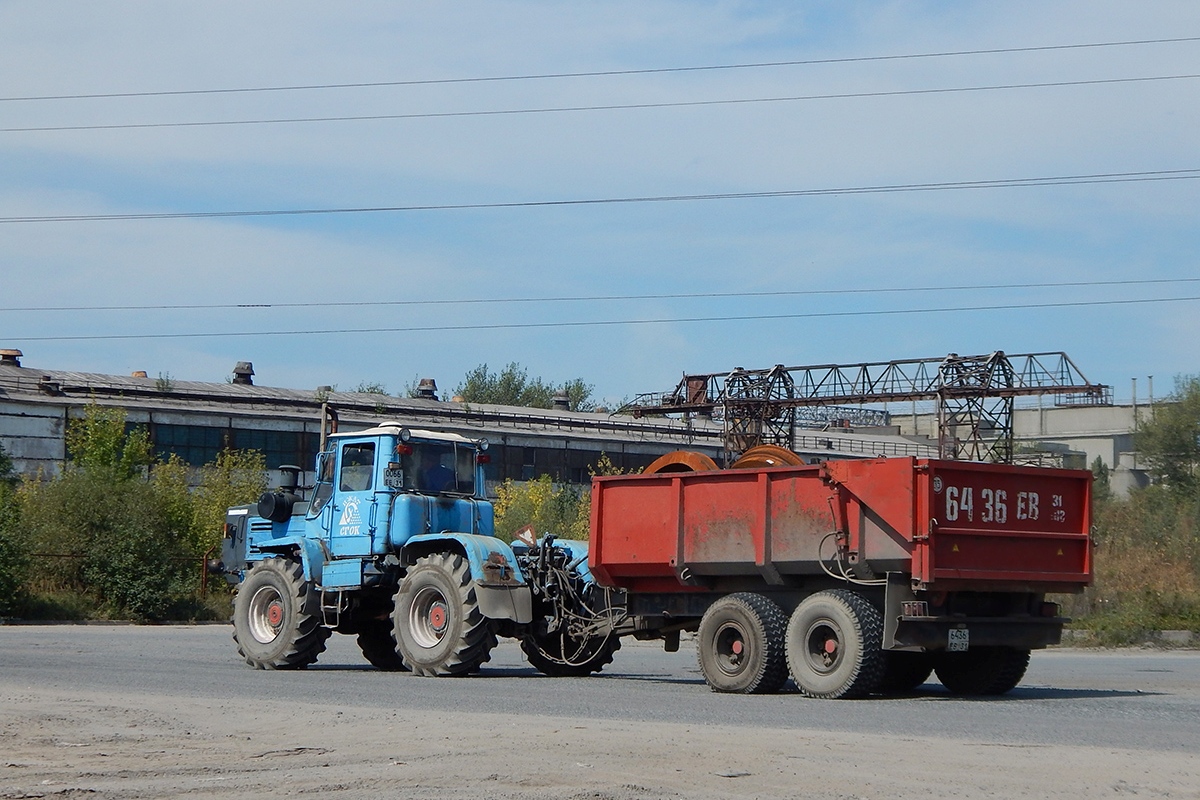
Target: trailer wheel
x: 903, y: 671
x: 378, y: 647
x: 561, y: 656
x: 834, y: 641
x: 982, y: 670
x: 436, y: 620
x: 740, y: 644
x: 275, y: 623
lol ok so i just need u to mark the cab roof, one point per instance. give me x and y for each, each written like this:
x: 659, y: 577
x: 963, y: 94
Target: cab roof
x: 391, y: 428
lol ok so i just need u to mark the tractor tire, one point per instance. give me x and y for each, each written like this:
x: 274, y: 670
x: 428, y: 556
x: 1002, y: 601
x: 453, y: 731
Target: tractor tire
x: 740, y: 644
x: 276, y: 619
x: 834, y: 642
x: 982, y: 671
x: 903, y: 672
x: 436, y: 620
x: 378, y: 647
x: 560, y: 656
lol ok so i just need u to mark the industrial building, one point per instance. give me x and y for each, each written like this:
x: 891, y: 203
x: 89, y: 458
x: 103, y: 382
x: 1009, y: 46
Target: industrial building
x: 196, y: 420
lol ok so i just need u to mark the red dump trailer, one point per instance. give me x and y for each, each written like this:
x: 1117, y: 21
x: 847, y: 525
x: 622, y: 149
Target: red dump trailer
x: 853, y: 576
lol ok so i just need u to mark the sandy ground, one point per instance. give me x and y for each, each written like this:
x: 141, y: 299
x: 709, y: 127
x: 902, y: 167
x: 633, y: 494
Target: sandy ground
x: 122, y: 745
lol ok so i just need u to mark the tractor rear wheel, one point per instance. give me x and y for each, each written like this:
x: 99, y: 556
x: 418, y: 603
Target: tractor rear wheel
x: 378, y: 647
x: 834, y: 641
x: 740, y: 644
x: 436, y: 620
x: 561, y: 656
x: 982, y: 670
x: 276, y: 623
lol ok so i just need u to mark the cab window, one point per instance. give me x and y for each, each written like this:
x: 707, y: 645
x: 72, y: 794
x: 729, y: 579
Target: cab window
x: 324, y: 488
x: 358, y: 467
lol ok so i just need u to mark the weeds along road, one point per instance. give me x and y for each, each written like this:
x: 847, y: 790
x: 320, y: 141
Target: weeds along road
x: 122, y: 711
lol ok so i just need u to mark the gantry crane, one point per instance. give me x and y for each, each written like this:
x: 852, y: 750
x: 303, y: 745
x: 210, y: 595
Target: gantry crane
x: 973, y: 395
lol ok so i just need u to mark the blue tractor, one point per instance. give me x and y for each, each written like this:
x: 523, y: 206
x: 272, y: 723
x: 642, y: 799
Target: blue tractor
x: 396, y: 545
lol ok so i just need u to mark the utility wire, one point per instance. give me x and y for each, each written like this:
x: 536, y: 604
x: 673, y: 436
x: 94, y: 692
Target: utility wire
x: 606, y: 107
x: 604, y: 298
x: 601, y: 323
x: 1004, y: 183
x: 604, y: 73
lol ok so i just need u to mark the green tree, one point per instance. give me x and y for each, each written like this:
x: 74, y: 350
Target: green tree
x: 237, y: 477
x: 1170, y: 440
x: 561, y: 509
x: 7, y: 475
x: 99, y: 442
x: 550, y: 508
x: 512, y: 386
x: 13, y: 558
x: 114, y: 530
x: 1101, y: 487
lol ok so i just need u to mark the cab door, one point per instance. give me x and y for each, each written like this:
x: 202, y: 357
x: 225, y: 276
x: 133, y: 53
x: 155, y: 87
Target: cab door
x: 354, y: 512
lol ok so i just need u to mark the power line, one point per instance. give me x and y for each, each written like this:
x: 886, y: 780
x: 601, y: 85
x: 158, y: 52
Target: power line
x: 604, y: 298
x: 604, y: 73
x: 1003, y: 183
x: 601, y: 323
x: 605, y: 107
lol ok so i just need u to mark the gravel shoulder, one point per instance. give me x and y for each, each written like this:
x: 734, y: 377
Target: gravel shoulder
x: 123, y: 745
x: 117, y: 732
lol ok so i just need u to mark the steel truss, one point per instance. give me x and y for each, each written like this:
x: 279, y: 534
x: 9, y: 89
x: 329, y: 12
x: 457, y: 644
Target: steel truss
x: 974, y: 397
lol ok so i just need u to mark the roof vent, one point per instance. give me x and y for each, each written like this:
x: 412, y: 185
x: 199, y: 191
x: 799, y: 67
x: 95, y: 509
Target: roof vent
x: 242, y: 373
x: 10, y: 358
x: 427, y: 389
x: 562, y: 401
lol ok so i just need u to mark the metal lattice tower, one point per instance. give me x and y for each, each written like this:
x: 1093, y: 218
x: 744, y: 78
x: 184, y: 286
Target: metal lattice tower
x: 973, y: 394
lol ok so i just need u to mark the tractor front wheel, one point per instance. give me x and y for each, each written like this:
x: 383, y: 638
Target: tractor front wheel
x: 276, y: 623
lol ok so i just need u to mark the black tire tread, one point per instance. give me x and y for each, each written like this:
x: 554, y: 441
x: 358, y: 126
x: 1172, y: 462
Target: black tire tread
x: 378, y: 646
x: 905, y: 671
x: 554, y: 668
x: 983, y: 671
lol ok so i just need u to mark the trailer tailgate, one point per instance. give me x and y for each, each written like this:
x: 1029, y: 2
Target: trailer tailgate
x: 998, y: 524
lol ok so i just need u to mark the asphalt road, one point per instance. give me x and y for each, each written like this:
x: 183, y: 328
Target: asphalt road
x: 1129, y: 699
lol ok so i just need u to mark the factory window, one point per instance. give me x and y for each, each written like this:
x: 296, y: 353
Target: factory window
x: 195, y: 444
x: 279, y: 447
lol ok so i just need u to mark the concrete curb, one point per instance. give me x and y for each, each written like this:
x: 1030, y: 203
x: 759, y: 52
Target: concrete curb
x: 1152, y: 638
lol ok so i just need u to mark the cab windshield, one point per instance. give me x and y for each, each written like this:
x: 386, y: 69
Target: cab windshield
x: 437, y: 467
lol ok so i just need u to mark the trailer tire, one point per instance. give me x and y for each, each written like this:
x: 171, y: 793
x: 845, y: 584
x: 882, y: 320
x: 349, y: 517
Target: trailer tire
x: 904, y: 671
x: 834, y: 642
x: 436, y: 620
x: 379, y: 647
x: 982, y: 671
x: 546, y: 654
x: 275, y: 619
x: 740, y: 644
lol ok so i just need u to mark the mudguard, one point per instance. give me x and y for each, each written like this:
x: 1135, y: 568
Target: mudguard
x: 499, y: 584
x: 312, y: 557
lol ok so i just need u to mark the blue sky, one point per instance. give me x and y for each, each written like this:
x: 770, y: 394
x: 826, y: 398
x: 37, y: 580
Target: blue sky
x: 1084, y: 233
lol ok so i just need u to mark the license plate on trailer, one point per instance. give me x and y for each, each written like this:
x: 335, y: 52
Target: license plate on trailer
x: 959, y: 640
